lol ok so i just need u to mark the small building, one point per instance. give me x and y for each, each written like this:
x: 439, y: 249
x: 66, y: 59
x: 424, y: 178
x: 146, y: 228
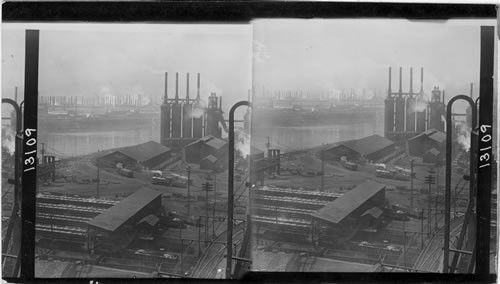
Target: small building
x: 146, y: 155
x: 432, y: 156
x: 372, y: 148
x: 209, y: 163
x: 425, y: 141
x: 203, y: 147
x: 116, y: 227
x: 342, y: 218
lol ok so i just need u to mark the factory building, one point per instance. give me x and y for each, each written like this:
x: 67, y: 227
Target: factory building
x: 349, y: 213
x: 209, y: 163
x: 371, y: 148
x: 433, y: 156
x: 186, y: 120
x: 147, y: 155
x: 116, y: 227
x: 196, y: 151
x: 408, y: 113
x: 420, y: 144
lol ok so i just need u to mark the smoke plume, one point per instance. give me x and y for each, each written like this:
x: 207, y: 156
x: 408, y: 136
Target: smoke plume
x: 464, y: 136
x: 8, y: 139
x: 242, y: 143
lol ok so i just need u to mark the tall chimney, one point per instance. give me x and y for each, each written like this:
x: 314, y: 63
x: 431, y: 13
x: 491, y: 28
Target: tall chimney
x: 471, y: 92
x: 220, y: 103
x: 422, y: 80
x: 176, y: 87
x: 198, y: 91
x: 187, y: 87
x: 389, y: 90
x: 443, y: 96
x: 411, y: 81
x: 165, y: 96
x: 15, y: 95
x: 400, y: 80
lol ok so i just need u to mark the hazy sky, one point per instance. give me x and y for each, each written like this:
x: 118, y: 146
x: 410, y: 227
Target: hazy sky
x: 89, y: 59
x: 342, y: 54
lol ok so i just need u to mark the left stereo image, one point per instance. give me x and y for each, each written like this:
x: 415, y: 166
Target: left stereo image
x: 131, y: 148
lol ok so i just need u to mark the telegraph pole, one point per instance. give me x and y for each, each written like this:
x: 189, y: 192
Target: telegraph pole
x: 206, y: 186
x: 323, y: 168
x: 411, y: 185
x: 213, y: 207
x: 430, y: 180
x: 98, y: 176
x: 189, y: 190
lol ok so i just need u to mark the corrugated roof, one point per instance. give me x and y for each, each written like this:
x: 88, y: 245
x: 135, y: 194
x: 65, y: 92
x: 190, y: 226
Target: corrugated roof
x: 216, y: 143
x: 210, y: 158
x: 341, y: 207
x: 112, y: 218
x: 437, y: 136
x: 144, y: 151
x: 367, y: 145
x: 151, y: 220
x: 374, y: 211
x: 434, y: 152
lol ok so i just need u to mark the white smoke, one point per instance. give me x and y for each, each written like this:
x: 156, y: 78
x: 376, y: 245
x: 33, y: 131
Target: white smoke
x: 464, y: 136
x: 198, y: 109
x: 242, y: 143
x: 8, y: 139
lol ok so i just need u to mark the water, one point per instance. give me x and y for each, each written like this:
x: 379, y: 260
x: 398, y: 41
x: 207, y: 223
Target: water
x: 303, y: 137
x: 81, y: 143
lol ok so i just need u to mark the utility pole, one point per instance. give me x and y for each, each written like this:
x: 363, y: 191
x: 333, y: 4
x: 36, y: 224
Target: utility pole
x: 206, y: 186
x: 411, y: 185
x: 189, y: 190
x: 199, y: 236
x: 98, y: 176
x: 323, y: 168
x: 430, y: 180
x: 422, y: 229
x: 213, y: 207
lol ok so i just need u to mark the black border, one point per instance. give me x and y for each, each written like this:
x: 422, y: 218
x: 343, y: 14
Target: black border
x: 241, y: 12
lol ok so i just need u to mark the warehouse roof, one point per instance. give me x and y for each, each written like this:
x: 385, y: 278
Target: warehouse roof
x: 434, y: 152
x: 211, y: 141
x: 340, y: 208
x: 375, y: 212
x: 112, y: 218
x: 367, y: 145
x: 210, y: 158
x: 145, y: 151
x: 433, y: 134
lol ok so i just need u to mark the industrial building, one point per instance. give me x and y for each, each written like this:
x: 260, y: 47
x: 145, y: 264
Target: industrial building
x: 349, y: 213
x: 198, y: 150
x: 116, y: 227
x: 209, y: 163
x: 427, y: 140
x: 408, y: 114
x: 371, y: 148
x: 185, y: 120
x: 433, y: 156
x: 147, y: 155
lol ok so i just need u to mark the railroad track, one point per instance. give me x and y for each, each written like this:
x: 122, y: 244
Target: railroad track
x: 430, y: 256
x: 207, y: 265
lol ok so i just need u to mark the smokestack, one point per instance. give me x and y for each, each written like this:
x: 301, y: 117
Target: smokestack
x: 471, y: 92
x: 187, y: 87
x: 422, y: 80
x: 198, y: 91
x: 220, y: 103
x: 165, y: 97
x: 443, y: 96
x: 176, y: 87
x: 15, y: 95
x: 389, y: 90
x: 400, y: 80
x: 411, y: 80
